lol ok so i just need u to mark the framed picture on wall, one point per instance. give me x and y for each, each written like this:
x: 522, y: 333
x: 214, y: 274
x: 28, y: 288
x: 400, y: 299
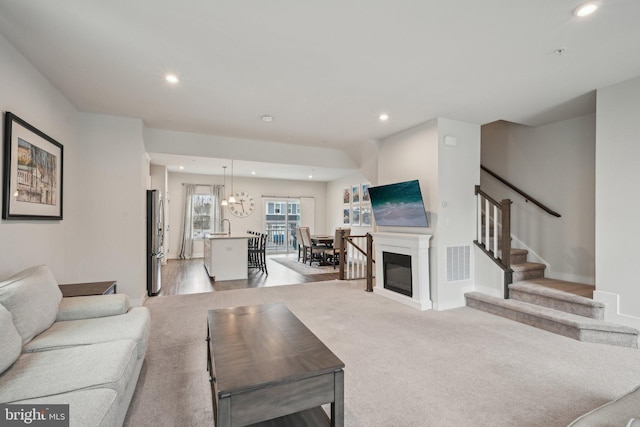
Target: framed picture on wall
x: 355, y: 216
x: 365, y: 193
x: 355, y: 194
x: 346, y: 196
x: 366, y: 216
x: 32, y: 178
x: 346, y: 215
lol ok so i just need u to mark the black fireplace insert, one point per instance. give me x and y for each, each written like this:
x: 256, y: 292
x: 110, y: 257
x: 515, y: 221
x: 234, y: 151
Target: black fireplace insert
x: 397, y: 273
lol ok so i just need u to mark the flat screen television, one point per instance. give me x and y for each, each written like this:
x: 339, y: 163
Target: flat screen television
x: 398, y: 205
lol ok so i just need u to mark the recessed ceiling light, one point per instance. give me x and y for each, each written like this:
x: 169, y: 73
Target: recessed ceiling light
x: 172, y: 78
x: 384, y: 117
x: 310, y: 176
x: 586, y: 9
x: 267, y: 118
x: 253, y: 172
x: 181, y: 167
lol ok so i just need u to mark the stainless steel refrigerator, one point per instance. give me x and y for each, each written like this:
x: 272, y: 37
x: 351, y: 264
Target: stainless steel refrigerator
x: 155, y: 236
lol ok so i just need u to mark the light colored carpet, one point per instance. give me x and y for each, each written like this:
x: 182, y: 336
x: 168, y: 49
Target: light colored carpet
x: 404, y: 367
x: 301, y: 268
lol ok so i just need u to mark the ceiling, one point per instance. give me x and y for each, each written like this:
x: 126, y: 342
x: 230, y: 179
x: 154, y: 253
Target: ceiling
x: 214, y: 166
x: 325, y: 70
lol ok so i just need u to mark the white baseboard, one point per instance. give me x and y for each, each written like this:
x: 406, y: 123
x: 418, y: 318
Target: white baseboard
x: 612, y: 310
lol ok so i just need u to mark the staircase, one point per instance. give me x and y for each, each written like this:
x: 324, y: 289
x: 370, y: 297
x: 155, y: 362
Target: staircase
x: 557, y: 306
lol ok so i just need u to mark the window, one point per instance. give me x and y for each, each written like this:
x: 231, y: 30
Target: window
x: 281, y: 219
x: 202, y: 204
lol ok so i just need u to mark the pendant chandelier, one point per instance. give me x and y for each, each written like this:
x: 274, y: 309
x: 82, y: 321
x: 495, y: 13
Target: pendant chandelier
x: 224, y: 188
x: 232, y: 199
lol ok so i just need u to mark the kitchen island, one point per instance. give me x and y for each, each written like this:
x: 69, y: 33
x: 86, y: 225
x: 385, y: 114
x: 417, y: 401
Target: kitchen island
x: 226, y: 256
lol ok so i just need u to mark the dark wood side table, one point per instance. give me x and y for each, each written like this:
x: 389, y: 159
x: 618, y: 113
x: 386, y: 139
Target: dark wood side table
x: 90, y: 288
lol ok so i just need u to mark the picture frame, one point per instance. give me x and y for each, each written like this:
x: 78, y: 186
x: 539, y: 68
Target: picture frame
x: 355, y: 216
x: 346, y: 216
x: 365, y: 193
x: 366, y: 216
x: 32, y: 172
x: 346, y: 196
x: 355, y: 194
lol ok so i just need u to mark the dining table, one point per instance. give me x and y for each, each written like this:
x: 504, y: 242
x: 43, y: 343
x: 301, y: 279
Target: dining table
x: 322, y: 242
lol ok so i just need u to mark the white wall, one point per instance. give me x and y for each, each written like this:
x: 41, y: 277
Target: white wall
x: 26, y: 93
x: 556, y: 165
x: 458, y: 174
x: 413, y: 154
x: 335, y: 205
x: 446, y: 175
x: 101, y: 236
x: 159, y: 180
x: 106, y: 240
x: 194, y: 144
x: 257, y: 187
x: 617, y: 202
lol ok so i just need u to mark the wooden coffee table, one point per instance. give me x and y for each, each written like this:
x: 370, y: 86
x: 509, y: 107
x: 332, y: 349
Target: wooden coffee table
x: 267, y: 367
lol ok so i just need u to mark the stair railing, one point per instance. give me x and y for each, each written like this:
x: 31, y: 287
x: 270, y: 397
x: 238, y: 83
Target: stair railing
x: 494, y: 232
x: 357, y: 262
x: 527, y: 197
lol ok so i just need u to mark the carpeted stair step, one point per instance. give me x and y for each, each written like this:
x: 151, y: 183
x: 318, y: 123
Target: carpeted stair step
x: 518, y: 256
x: 535, y: 292
x: 569, y: 325
x: 527, y: 271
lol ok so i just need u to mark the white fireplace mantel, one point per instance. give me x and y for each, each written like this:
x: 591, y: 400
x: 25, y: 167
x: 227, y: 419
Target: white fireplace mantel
x: 416, y: 246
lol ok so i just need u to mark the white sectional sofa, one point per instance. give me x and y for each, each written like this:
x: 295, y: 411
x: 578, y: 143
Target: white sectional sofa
x: 83, y: 351
x: 623, y: 412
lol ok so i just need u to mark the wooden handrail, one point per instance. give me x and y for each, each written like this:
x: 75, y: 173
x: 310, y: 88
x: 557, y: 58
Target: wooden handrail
x: 486, y: 196
x: 527, y: 197
x: 345, y: 241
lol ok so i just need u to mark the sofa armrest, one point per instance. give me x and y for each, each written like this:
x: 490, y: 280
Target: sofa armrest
x: 87, y: 307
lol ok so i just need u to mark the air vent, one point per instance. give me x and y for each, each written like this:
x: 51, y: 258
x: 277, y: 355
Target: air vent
x: 458, y: 263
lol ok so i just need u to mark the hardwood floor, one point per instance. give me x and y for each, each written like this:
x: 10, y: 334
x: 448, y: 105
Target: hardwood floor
x: 181, y: 277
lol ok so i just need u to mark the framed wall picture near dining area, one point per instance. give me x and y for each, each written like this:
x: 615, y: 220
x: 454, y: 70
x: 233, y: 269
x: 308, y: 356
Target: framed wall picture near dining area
x: 32, y: 172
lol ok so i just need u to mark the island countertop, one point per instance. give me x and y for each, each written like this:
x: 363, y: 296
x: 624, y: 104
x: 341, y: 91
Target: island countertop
x: 228, y: 236
x: 226, y: 255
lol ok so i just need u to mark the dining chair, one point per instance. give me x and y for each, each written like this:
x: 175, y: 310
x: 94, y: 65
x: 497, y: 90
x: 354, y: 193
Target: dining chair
x: 299, y: 243
x: 309, y: 248
x: 257, y: 251
x: 338, y: 251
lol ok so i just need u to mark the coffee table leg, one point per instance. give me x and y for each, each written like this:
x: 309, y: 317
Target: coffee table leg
x: 337, y: 407
x: 224, y: 412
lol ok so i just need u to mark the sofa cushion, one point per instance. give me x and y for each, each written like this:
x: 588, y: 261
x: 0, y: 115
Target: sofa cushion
x: 134, y: 325
x: 32, y: 296
x: 34, y: 375
x: 10, y: 339
x: 87, y: 408
x: 87, y: 307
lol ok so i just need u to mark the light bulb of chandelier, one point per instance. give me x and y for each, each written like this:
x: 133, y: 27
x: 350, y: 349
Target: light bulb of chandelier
x: 232, y: 199
x: 224, y: 203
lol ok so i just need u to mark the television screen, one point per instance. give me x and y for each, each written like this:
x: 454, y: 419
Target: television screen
x: 398, y: 205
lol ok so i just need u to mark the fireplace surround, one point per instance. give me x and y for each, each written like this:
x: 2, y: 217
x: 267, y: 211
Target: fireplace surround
x: 399, y: 247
